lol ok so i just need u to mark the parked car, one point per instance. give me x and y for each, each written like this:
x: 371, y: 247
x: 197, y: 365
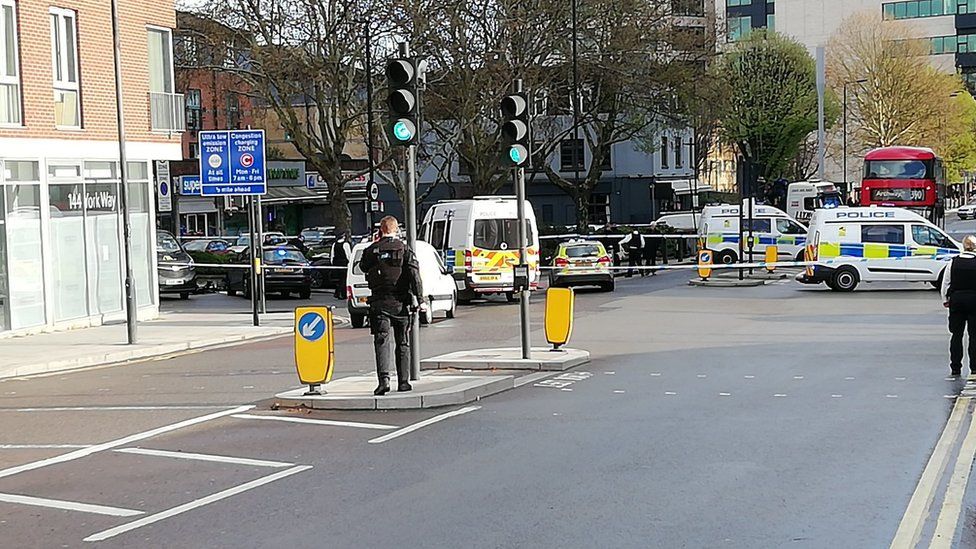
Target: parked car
x: 440, y: 291
x: 967, y: 211
x: 285, y: 271
x: 217, y: 246
x: 177, y: 275
x: 314, y: 236
x: 582, y: 263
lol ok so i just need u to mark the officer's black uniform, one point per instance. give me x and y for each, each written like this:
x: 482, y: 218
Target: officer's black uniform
x: 393, y: 275
x: 959, y: 289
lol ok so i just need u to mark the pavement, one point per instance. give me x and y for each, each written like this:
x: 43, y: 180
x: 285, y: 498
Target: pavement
x: 776, y: 416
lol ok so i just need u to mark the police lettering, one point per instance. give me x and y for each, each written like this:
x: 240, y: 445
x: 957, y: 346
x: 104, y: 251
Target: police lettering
x: 865, y: 215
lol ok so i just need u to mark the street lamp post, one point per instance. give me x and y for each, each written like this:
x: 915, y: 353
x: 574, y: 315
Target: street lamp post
x: 576, y: 113
x: 847, y: 191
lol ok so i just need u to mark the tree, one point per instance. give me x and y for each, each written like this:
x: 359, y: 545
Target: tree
x: 960, y: 149
x: 895, y: 95
x: 772, y: 103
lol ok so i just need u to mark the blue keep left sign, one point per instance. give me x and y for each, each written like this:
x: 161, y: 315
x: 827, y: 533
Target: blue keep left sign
x: 311, y: 326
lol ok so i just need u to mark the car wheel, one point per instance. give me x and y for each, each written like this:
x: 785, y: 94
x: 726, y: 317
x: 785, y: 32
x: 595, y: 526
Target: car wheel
x: 305, y: 294
x: 184, y: 295
x: 845, y: 279
x: 452, y: 312
x: 726, y: 257
x: 608, y: 286
x: 358, y: 321
x: 231, y: 291
x: 246, y: 288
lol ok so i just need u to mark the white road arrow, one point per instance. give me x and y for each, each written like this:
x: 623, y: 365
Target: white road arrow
x: 308, y: 330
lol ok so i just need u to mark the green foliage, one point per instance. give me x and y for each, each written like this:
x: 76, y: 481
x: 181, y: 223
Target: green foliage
x: 960, y: 150
x: 772, y: 100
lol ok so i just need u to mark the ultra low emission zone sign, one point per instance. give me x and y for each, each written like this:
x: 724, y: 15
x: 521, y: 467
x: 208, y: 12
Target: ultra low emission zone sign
x: 314, y: 345
x: 232, y: 163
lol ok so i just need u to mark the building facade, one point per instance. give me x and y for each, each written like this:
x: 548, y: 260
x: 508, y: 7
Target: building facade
x: 61, y: 258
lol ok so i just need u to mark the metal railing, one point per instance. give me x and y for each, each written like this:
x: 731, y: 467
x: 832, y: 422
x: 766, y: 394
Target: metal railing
x: 167, y: 112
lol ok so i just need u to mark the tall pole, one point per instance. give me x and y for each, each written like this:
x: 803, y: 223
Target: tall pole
x: 846, y: 188
x: 576, y: 115
x: 411, y: 215
x: 742, y: 181
x: 523, y: 249
x: 131, y: 311
x: 369, y: 123
x: 821, y: 84
x: 259, y: 246
x: 252, y: 272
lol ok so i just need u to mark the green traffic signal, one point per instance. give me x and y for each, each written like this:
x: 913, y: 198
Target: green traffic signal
x: 403, y: 130
x: 517, y: 154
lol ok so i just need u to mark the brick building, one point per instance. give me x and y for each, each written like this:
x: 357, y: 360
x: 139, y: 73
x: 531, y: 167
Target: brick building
x: 61, y: 260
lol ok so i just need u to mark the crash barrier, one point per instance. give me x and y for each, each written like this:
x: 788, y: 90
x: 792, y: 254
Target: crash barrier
x: 314, y: 346
x: 614, y: 235
x: 750, y: 265
x: 559, y: 316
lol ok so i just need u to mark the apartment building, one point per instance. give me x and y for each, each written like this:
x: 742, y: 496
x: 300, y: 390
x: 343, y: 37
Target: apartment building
x: 61, y: 253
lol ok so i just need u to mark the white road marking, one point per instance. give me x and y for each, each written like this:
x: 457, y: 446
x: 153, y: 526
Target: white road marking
x: 910, y: 528
x: 851, y: 378
x: 702, y: 376
x: 84, y: 452
x: 151, y: 519
x: 655, y: 374
x: 619, y: 392
x: 749, y: 377
x: 900, y: 379
x: 610, y: 373
x: 565, y: 389
x: 725, y: 394
x: 204, y: 457
x: 421, y: 424
x: 836, y: 396
x: 780, y: 395
x: 532, y: 378
x: 110, y: 408
x: 891, y: 396
x: 670, y: 393
x: 42, y: 446
x: 945, y: 528
x: 797, y: 377
x: 69, y: 505
x: 330, y: 422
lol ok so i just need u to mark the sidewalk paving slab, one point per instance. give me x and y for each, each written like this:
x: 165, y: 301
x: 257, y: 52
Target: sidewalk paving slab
x: 509, y: 358
x: 430, y: 391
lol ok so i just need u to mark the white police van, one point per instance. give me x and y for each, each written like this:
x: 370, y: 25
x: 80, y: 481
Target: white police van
x: 770, y: 226
x: 853, y: 245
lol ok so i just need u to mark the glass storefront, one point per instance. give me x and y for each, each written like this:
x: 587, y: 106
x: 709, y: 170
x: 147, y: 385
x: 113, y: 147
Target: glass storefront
x: 61, y: 254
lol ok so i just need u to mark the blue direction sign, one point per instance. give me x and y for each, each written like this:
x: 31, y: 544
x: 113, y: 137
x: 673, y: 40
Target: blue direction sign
x: 311, y: 326
x: 232, y: 163
x: 190, y: 185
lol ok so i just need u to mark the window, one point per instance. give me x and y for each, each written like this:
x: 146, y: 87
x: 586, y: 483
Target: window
x: 233, y: 111
x: 898, y: 169
x: 194, y: 110
x: 927, y: 236
x: 688, y: 7
x: 598, y: 209
x: 570, y: 154
x: 64, y: 52
x: 9, y: 73
x: 788, y: 226
x: 771, y: 21
x: 160, y: 60
x: 883, y: 234
x: 920, y: 8
x: 738, y: 27
x: 547, y: 213
x: 498, y: 234
x: 677, y: 153
x: 607, y: 164
x: 438, y: 230
x: 664, y: 151
x: 758, y: 225
x: 194, y: 150
x: 735, y: 3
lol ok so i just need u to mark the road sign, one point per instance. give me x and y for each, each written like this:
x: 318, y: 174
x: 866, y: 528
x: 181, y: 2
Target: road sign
x: 314, y: 344
x: 232, y: 163
x: 190, y: 185
x: 376, y: 206
x: 705, y: 264
x: 164, y: 187
x: 310, y: 180
x: 373, y: 191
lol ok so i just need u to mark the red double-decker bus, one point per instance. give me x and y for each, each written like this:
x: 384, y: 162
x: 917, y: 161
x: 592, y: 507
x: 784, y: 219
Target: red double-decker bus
x: 906, y: 177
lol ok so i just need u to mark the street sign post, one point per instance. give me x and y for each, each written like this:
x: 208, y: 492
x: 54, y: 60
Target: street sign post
x: 232, y: 163
x: 314, y: 346
x: 164, y: 187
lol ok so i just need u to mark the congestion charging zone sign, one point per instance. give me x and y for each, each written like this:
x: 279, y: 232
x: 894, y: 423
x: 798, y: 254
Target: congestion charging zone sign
x: 232, y: 163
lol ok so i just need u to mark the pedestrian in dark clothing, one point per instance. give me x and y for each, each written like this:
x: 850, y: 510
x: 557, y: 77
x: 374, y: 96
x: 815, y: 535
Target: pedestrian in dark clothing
x: 959, y: 296
x: 650, y: 251
x: 634, y: 245
x: 393, y: 275
x: 340, y: 256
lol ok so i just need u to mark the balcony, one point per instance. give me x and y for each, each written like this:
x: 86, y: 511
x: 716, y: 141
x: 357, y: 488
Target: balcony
x: 167, y: 112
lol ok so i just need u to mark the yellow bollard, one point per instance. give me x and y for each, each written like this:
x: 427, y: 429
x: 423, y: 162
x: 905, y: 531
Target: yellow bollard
x: 314, y: 346
x: 704, y: 264
x: 772, y: 256
x: 559, y: 316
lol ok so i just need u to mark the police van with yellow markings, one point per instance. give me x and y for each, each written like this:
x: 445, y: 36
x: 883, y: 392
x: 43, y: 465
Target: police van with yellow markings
x: 872, y: 244
x: 770, y: 226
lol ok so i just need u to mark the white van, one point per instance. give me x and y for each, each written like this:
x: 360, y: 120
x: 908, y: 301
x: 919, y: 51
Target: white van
x: 478, y: 240
x: 720, y: 230
x: 439, y: 291
x: 907, y: 247
x: 805, y: 197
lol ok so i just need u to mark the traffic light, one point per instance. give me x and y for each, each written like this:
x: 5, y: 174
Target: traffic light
x: 515, y: 130
x: 403, y: 101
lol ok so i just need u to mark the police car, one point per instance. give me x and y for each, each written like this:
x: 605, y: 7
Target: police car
x: 853, y: 245
x: 581, y: 263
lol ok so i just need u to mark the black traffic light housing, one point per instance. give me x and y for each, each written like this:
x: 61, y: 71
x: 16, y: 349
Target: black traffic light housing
x: 402, y: 126
x: 515, y: 130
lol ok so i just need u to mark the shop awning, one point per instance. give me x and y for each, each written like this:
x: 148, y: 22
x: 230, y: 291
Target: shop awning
x: 290, y: 195
x: 189, y: 205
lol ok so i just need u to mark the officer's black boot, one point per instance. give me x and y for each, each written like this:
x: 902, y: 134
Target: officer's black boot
x: 404, y: 386
x: 383, y: 387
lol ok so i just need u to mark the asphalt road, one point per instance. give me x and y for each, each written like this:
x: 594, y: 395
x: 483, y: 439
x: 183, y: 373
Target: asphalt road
x: 778, y: 416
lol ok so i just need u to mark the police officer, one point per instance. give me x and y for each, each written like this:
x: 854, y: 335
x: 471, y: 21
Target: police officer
x: 959, y: 296
x: 393, y: 275
x: 634, y: 244
x: 340, y: 254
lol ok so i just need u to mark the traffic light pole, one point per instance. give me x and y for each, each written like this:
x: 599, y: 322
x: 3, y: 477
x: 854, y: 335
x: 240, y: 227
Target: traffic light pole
x: 523, y: 259
x: 411, y: 218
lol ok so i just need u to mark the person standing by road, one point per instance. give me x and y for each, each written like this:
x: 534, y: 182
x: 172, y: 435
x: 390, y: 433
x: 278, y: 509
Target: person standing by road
x: 959, y: 296
x: 340, y: 255
x: 393, y: 275
x: 633, y: 243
